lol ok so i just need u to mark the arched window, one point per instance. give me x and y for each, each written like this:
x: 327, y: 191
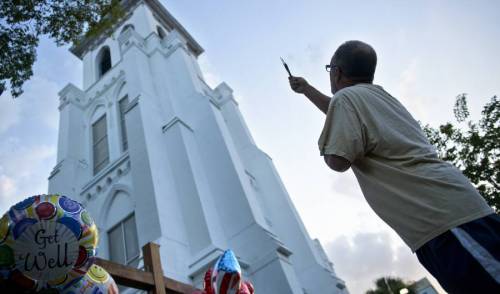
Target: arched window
x: 103, y: 61
x: 161, y: 32
x: 128, y: 26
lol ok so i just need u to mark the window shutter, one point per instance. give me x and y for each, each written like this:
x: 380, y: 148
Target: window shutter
x: 123, y: 106
x: 100, y: 144
x: 123, y: 242
x: 116, y: 246
x: 131, y: 242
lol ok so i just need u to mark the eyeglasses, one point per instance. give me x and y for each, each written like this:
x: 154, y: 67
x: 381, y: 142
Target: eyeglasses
x: 330, y: 67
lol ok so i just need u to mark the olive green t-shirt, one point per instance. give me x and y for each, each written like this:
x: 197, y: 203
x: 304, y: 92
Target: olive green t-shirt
x: 402, y: 179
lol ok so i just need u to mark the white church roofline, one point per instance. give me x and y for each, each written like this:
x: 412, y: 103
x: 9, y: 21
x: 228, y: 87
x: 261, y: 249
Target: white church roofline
x: 163, y: 16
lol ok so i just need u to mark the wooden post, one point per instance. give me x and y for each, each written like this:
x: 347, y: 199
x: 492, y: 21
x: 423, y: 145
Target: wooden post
x: 151, y: 279
x: 152, y: 263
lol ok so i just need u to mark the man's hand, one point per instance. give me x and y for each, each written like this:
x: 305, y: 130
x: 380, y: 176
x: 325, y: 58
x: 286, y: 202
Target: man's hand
x: 299, y: 85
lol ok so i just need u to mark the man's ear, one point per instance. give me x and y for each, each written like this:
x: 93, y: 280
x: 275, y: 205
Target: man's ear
x: 338, y: 75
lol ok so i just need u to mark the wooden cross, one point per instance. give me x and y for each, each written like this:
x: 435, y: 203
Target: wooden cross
x: 151, y: 279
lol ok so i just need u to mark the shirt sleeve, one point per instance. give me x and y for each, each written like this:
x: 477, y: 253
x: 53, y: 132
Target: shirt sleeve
x: 342, y: 133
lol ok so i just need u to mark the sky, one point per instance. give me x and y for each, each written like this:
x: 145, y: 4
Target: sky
x: 428, y: 52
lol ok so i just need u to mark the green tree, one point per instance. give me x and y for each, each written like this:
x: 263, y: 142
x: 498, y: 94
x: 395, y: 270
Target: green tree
x: 473, y: 147
x: 22, y: 23
x: 390, y: 285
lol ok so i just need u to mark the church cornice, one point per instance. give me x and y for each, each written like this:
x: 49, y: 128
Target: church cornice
x: 160, y: 13
x: 174, y: 121
x: 70, y: 94
x: 110, y: 174
x: 103, y: 86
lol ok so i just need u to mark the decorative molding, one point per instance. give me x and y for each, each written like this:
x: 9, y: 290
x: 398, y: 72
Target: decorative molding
x: 105, y: 86
x: 173, y: 121
x: 109, y: 198
x: 214, y: 103
x: 56, y: 169
x: 265, y: 260
x: 63, y: 103
x: 71, y: 94
x: 83, y: 164
x: 224, y: 94
x: 130, y: 38
x: 284, y: 250
x: 99, y: 181
x: 170, y: 49
x: 252, y: 180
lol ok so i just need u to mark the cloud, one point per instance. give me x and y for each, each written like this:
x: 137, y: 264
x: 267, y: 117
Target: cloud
x: 40, y: 102
x: 212, y: 78
x: 23, y: 170
x: 28, y: 132
x: 7, y: 187
x: 367, y: 256
x: 315, y: 53
x: 408, y: 90
x: 9, y: 112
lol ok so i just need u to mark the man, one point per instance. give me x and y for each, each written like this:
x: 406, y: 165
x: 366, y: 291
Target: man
x: 428, y: 202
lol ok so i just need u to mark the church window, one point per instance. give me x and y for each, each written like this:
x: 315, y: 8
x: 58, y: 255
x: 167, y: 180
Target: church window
x: 100, y: 144
x: 161, y: 32
x: 123, y: 103
x: 103, y: 61
x: 123, y: 242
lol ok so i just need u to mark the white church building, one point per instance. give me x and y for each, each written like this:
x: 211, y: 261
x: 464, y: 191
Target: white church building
x: 155, y: 154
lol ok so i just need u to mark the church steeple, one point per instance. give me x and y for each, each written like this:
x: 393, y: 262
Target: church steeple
x: 145, y: 17
x: 155, y: 154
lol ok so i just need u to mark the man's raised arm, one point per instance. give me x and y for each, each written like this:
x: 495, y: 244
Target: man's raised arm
x: 301, y: 86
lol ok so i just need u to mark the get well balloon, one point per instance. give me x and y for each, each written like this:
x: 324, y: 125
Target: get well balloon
x: 46, y: 241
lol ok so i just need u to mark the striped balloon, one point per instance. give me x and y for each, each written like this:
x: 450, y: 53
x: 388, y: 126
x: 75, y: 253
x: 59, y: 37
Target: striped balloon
x: 226, y: 274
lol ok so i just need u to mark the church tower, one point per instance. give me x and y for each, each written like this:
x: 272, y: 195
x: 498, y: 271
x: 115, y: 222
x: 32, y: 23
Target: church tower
x: 155, y: 154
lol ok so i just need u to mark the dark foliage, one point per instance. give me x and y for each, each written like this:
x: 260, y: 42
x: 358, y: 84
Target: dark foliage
x: 22, y: 23
x: 390, y: 285
x: 474, y: 149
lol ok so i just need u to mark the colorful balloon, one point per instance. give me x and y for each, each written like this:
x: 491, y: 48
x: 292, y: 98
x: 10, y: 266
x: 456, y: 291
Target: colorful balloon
x: 46, y: 241
x: 225, y: 277
x: 96, y: 281
x: 226, y: 274
x: 246, y: 288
